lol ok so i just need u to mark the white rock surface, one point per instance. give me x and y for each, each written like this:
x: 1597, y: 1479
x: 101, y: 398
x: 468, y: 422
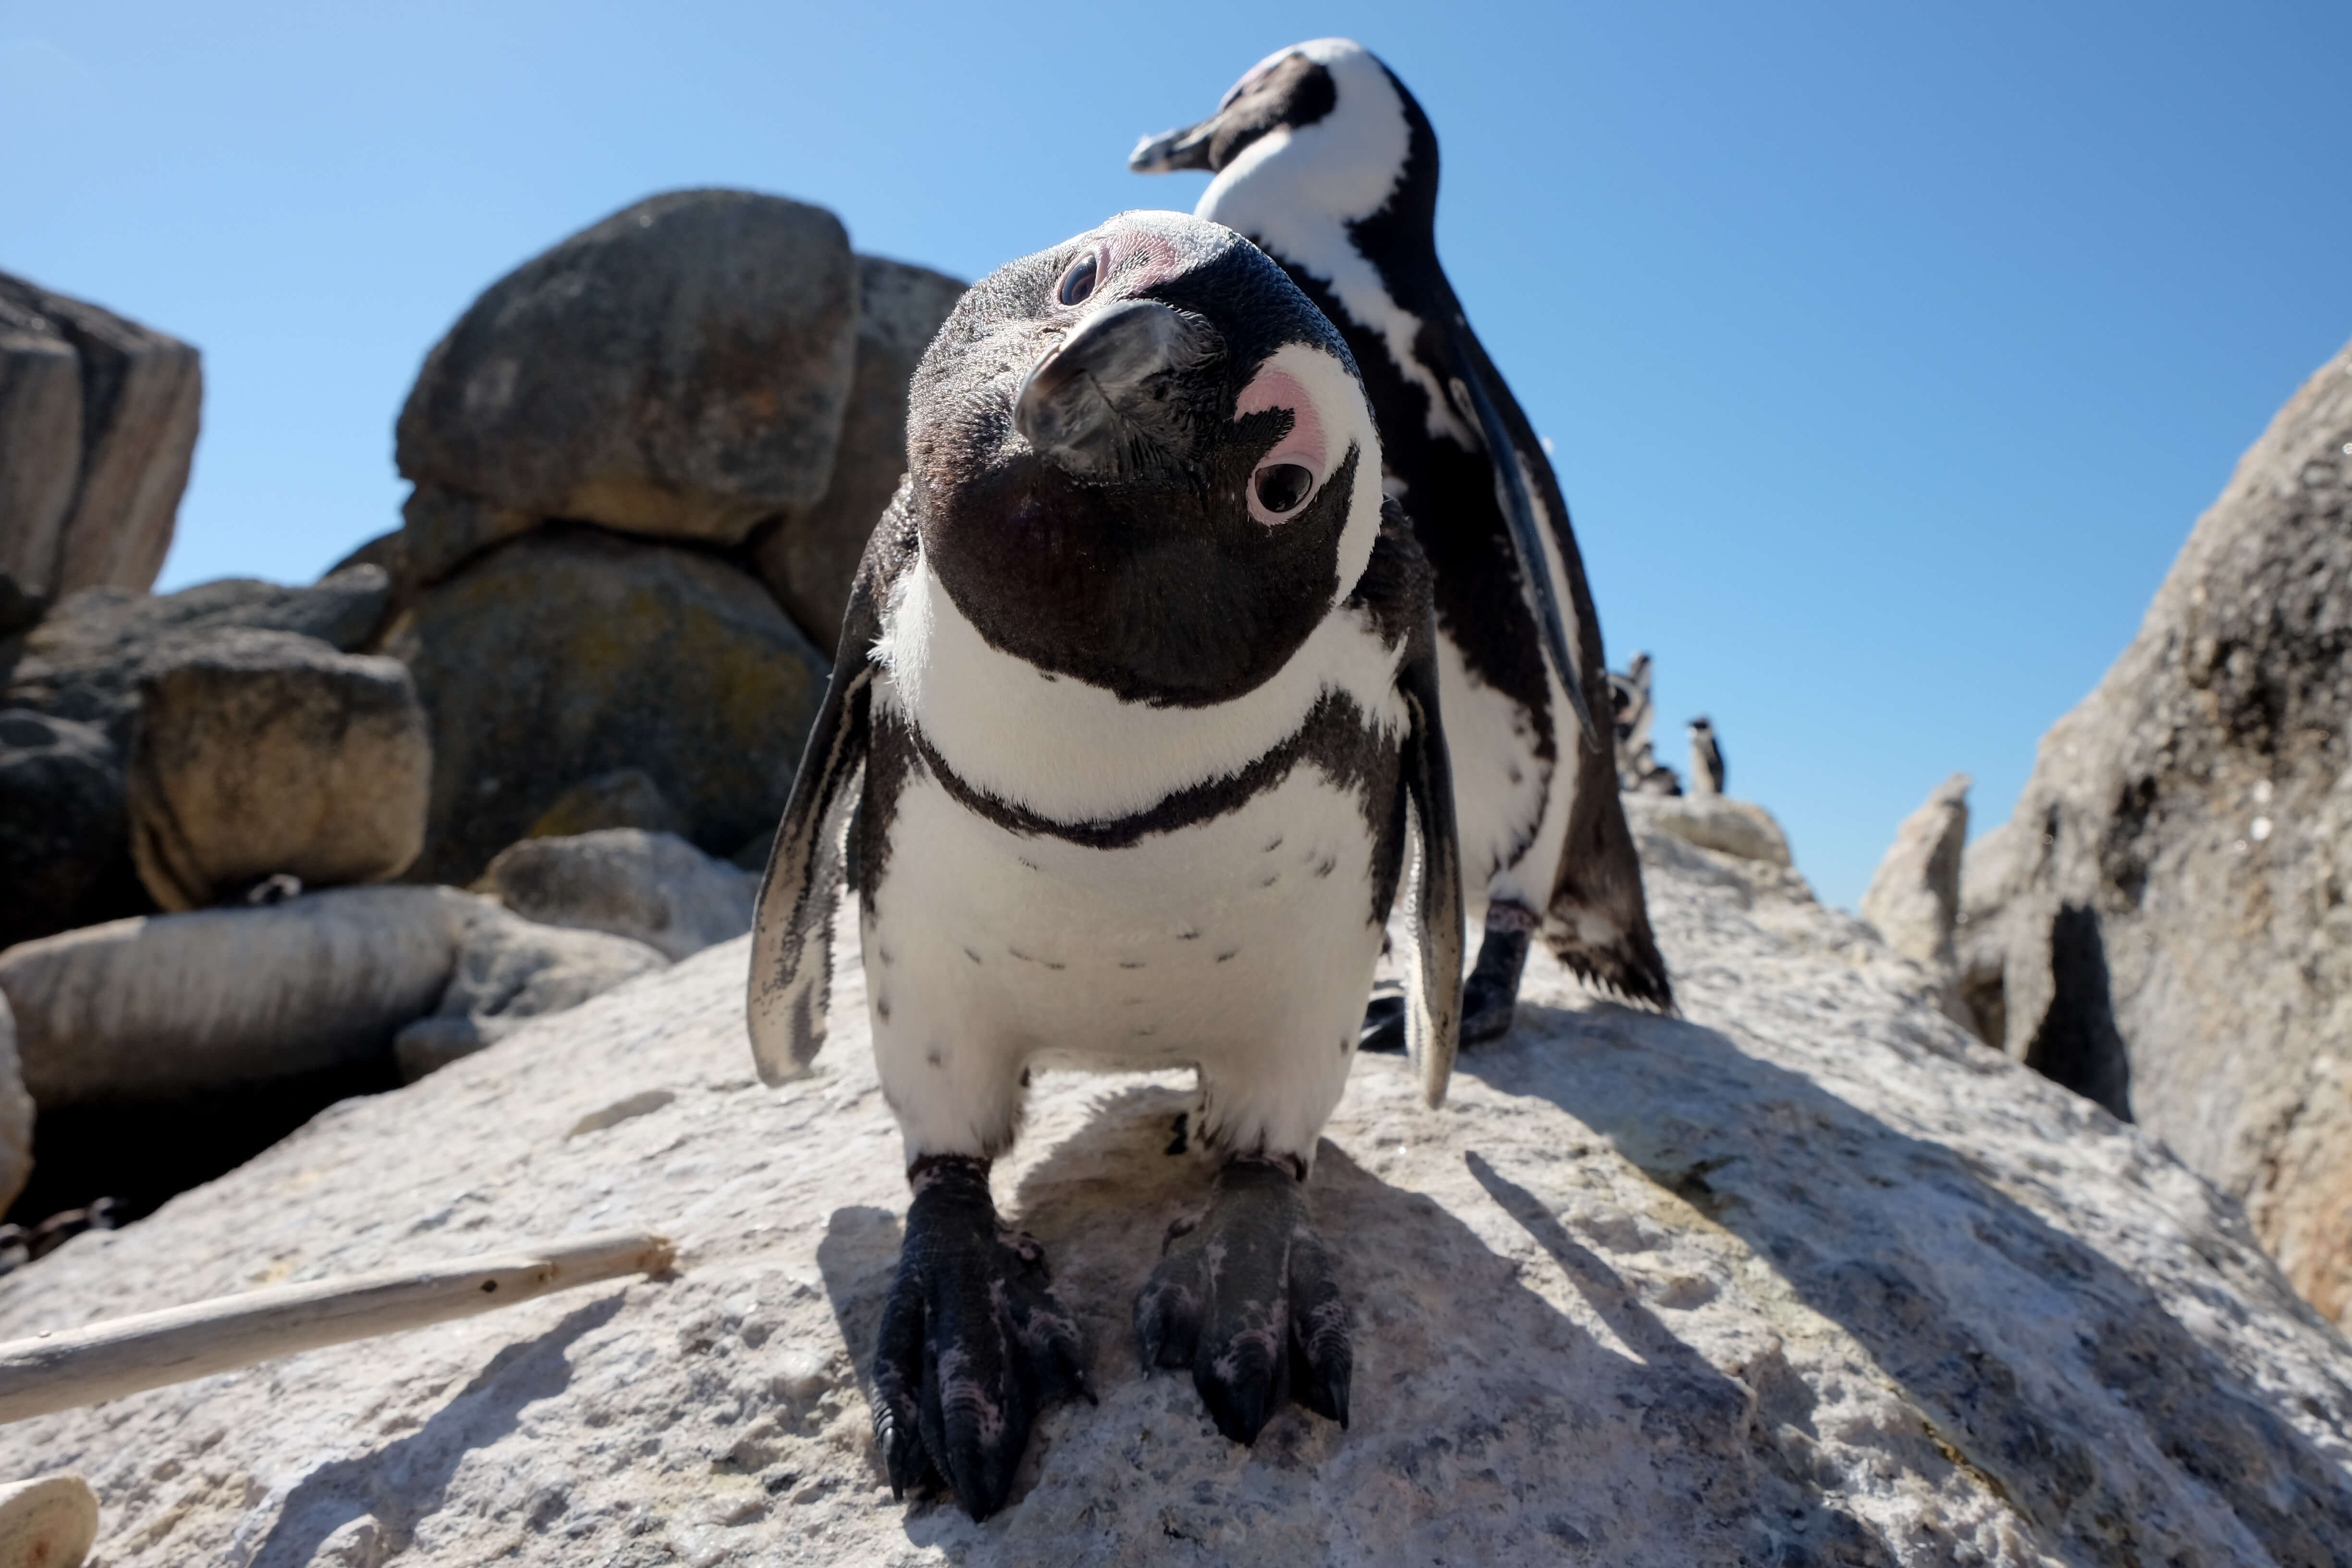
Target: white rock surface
x: 173, y: 1004
x: 1805, y: 1276
x: 1737, y: 827
x: 654, y: 888
x: 1913, y: 900
x: 510, y: 970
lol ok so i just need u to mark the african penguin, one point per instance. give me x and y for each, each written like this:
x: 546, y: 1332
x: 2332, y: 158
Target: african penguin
x: 1706, y: 759
x: 1136, y: 713
x: 1323, y: 159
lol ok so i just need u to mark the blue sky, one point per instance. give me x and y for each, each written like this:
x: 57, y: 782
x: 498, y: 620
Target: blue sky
x: 1889, y: 351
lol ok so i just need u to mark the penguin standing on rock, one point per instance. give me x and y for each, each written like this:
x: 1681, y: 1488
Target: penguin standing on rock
x: 1324, y: 160
x: 1136, y: 714
x: 1707, y: 758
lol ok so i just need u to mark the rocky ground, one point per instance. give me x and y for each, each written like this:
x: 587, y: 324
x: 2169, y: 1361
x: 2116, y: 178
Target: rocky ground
x: 1808, y: 1276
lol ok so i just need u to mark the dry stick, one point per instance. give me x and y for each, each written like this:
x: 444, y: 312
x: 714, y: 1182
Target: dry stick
x: 59, y: 1370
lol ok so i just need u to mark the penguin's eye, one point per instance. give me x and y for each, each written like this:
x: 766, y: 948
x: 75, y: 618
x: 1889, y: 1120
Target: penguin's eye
x: 1078, y: 282
x: 1281, y: 486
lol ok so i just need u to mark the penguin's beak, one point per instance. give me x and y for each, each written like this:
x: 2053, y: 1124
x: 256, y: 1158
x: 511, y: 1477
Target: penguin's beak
x: 1111, y: 400
x: 1173, y: 150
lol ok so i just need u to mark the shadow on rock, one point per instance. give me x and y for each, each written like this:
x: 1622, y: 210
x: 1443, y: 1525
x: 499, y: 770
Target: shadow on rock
x: 1901, y: 1243
x: 1487, y: 1425
x: 403, y: 1482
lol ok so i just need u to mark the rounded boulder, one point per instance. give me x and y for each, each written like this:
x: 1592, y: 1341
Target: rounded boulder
x: 679, y: 369
x: 263, y: 752
x: 569, y: 654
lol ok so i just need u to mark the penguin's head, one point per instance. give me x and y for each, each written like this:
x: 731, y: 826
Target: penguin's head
x: 1320, y: 131
x: 1143, y: 458
x: 1701, y: 730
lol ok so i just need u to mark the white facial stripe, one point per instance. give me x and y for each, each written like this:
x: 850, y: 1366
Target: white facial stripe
x: 1346, y: 419
x: 1074, y: 752
x: 1294, y: 191
x: 1307, y: 443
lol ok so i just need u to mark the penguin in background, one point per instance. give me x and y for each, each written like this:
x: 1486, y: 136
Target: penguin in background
x: 1136, y: 723
x: 1707, y: 758
x: 1323, y: 159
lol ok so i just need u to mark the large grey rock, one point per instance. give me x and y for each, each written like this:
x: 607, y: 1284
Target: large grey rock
x: 654, y: 888
x: 569, y: 654
x: 1805, y: 1276
x: 2177, y: 938
x: 85, y: 658
x: 263, y: 752
x: 625, y: 797
x: 441, y: 530
x: 82, y: 664
x: 1913, y: 900
x: 41, y: 445
x: 151, y: 1007
x: 98, y: 426
x: 1991, y: 868
x: 1735, y: 827
x: 15, y: 1113
x: 808, y: 555
x: 510, y: 970
x: 65, y: 840
x: 679, y: 369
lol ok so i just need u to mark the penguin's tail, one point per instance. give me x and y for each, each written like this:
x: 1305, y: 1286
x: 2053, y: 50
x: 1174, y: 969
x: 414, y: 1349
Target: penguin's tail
x: 1598, y: 921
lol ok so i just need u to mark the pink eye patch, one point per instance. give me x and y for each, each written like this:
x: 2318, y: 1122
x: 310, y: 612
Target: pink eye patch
x: 1286, y: 478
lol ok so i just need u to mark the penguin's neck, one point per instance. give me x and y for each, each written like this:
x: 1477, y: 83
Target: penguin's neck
x: 1075, y: 752
x: 1351, y: 203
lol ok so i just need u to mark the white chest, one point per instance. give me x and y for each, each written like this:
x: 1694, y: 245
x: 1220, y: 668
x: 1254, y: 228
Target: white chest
x: 1251, y: 931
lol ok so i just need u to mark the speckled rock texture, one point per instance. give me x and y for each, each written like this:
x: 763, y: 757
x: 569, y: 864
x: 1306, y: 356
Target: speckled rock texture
x: 69, y: 684
x: 679, y: 369
x: 510, y: 970
x: 2172, y: 915
x: 808, y: 554
x: 570, y: 653
x: 1806, y: 1277
x: 1913, y: 899
x: 654, y: 888
x: 259, y: 754
x: 65, y: 855
x: 98, y: 426
x: 173, y: 1004
x: 1736, y: 827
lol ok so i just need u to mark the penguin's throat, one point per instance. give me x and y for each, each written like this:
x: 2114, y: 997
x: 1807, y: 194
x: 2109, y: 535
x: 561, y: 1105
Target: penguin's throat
x: 1074, y: 752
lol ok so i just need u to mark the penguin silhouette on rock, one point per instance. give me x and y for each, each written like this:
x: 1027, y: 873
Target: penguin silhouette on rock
x: 1323, y: 159
x: 1135, y: 716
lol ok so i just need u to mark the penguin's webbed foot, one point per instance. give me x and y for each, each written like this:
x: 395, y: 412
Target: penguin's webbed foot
x: 973, y: 1345
x: 1245, y: 1299
x: 1490, y: 995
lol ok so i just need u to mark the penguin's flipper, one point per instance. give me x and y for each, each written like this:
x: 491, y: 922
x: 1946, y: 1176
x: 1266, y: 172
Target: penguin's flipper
x: 1597, y: 921
x: 1474, y: 382
x: 791, y: 930
x: 1432, y: 959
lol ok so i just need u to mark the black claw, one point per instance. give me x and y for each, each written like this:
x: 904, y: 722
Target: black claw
x: 1246, y: 1299
x: 973, y: 1345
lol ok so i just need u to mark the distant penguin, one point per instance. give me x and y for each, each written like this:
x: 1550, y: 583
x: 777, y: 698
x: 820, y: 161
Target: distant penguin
x: 1629, y: 702
x: 1706, y: 759
x: 1324, y: 159
x: 1137, y: 715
